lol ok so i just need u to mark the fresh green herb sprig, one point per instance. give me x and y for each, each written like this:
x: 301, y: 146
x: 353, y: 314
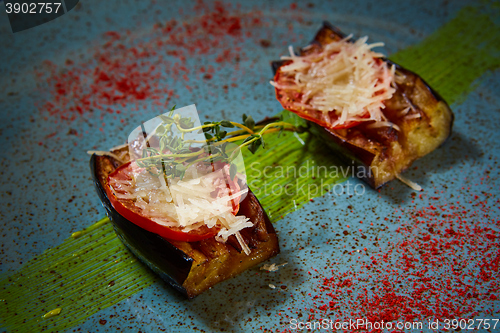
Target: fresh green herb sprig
x: 175, y: 153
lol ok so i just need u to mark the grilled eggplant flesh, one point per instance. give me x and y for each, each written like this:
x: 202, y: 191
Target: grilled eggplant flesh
x: 380, y: 154
x: 190, y: 267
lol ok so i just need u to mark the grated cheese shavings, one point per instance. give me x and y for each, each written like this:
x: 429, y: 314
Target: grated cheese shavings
x: 379, y: 124
x: 413, y: 116
x: 272, y: 267
x: 347, y: 79
x: 409, y: 183
x: 188, y: 203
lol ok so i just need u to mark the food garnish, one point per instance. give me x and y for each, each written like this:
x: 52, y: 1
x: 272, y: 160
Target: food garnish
x: 184, y: 187
x: 180, y: 202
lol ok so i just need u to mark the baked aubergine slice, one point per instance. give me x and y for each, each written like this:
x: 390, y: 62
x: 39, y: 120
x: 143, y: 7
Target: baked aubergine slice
x: 190, y: 267
x: 416, y: 120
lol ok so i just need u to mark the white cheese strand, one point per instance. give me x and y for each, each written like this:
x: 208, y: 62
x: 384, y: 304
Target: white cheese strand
x: 244, y: 245
x: 409, y: 183
x: 384, y: 124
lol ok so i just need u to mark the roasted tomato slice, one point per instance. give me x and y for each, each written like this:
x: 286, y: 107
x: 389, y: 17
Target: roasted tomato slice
x: 134, y: 214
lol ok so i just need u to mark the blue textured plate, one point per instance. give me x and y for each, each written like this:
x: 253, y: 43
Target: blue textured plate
x: 53, y: 109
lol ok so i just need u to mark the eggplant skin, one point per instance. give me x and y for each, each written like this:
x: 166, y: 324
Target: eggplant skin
x: 190, y: 267
x: 379, y: 155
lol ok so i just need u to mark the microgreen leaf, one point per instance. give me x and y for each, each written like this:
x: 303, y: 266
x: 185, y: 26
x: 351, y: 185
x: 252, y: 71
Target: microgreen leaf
x: 160, y: 130
x: 254, y: 146
x: 153, y: 151
x: 222, y: 150
x: 249, y: 122
x: 226, y: 123
x: 172, y: 109
x: 154, y: 174
x: 166, y: 119
x: 180, y: 168
x: 233, y: 169
x: 163, y: 143
x: 185, y: 151
x: 208, y: 149
x: 186, y: 122
x: 248, y: 138
x: 207, y: 129
x: 175, y: 142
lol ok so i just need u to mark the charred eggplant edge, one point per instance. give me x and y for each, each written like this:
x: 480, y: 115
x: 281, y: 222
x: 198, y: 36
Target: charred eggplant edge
x: 173, y: 268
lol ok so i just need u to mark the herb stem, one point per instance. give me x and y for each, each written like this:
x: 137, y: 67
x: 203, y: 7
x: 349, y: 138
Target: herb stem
x: 277, y: 124
x: 192, y: 129
x: 175, y: 151
x: 170, y: 155
x: 242, y: 127
x: 202, y: 159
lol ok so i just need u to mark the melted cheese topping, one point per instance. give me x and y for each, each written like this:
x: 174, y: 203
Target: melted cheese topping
x: 201, y: 197
x: 346, y: 78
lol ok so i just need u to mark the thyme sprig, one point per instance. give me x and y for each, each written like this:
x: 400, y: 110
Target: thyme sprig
x: 175, y: 154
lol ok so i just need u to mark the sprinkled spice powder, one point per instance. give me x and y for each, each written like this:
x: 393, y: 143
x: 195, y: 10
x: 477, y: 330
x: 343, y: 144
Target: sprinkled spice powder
x: 444, y: 264
x: 133, y: 67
